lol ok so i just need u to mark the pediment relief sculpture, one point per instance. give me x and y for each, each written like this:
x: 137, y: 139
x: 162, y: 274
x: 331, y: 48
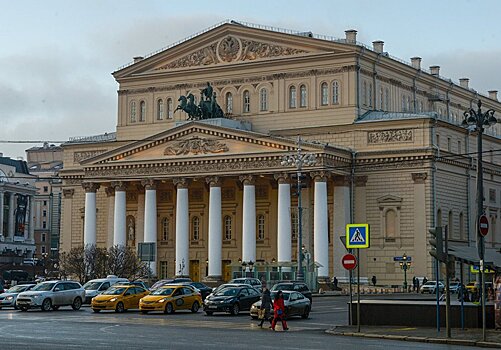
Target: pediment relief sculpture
x: 231, y: 49
x: 196, y: 145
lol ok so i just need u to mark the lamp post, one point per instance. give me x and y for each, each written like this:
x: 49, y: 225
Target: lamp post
x: 476, y: 120
x: 299, y: 159
x: 405, y: 265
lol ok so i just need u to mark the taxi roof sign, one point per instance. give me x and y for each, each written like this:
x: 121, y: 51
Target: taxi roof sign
x: 357, y: 236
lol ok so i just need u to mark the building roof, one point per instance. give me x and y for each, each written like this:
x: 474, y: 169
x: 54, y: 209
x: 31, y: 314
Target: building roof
x: 20, y: 165
x: 373, y: 116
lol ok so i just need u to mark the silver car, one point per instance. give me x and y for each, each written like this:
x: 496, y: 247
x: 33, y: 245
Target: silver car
x: 8, y: 299
x: 51, y: 295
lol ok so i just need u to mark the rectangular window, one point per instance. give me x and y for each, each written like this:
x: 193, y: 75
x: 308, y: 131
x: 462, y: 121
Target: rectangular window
x: 44, y: 249
x: 492, y: 195
x: 46, y: 188
x: 45, y: 203
x: 459, y: 147
x: 44, y: 224
x: 448, y: 144
x: 163, y: 269
x: 438, y: 141
x: 43, y: 237
x: 44, y: 213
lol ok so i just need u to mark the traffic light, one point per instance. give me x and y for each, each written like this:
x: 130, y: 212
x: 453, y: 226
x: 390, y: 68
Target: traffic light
x: 437, y: 246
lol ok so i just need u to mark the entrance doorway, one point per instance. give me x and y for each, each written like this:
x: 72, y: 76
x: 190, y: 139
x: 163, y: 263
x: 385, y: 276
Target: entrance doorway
x: 195, y: 270
x: 226, y: 270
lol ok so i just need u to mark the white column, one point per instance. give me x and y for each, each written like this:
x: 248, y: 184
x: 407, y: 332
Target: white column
x: 284, y: 235
x: 150, y: 218
x: 119, y: 219
x: 90, y: 213
x: 110, y: 193
x: 215, y: 229
x: 31, y: 230
x: 1, y: 215
x: 320, y: 226
x: 249, y: 220
x: 10, y: 229
x: 182, y: 228
x: 340, y: 219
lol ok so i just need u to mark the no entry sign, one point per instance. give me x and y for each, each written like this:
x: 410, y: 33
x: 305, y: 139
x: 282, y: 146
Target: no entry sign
x: 349, y: 261
x: 483, y: 225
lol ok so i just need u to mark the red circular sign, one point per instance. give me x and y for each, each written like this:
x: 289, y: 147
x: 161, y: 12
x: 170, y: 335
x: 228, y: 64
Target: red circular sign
x: 483, y: 225
x: 349, y: 261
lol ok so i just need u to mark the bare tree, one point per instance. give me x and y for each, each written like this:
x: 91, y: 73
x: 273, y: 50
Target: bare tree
x: 124, y: 262
x: 83, y: 263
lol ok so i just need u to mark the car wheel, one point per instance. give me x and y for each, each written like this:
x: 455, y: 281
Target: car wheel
x: 55, y: 307
x: 120, y: 307
x: 209, y: 313
x: 169, y: 309
x: 195, y: 307
x: 46, y: 305
x: 96, y: 310
x: 306, y: 313
x: 235, y: 310
x: 77, y: 304
x: 23, y: 308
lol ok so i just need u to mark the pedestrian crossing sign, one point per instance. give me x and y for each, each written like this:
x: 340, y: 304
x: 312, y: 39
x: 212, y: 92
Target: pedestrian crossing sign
x: 357, y: 236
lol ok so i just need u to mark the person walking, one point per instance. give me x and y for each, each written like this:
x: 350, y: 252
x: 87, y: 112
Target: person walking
x: 374, y: 280
x: 279, y: 311
x: 266, y: 305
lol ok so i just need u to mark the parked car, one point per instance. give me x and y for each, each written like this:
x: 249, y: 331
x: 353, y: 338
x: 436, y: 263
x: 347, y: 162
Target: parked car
x: 231, y: 300
x: 119, y: 298
x: 2, y: 290
x: 203, y: 289
x: 137, y: 283
x: 171, y: 298
x: 296, y: 286
x: 97, y: 286
x: 454, y: 287
x: 167, y: 281
x: 430, y: 287
x: 51, y: 295
x: 8, y: 298
x: 296, y: 304
x: 254, y: 282
x: 228, y: 285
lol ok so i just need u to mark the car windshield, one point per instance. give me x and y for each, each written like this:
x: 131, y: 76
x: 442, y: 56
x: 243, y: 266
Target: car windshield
x: 237, y: 280
x: 43, y: 287
x: 159, y: 284
x: 283, y: 287
x: 286, y: 296
x: 228, y: 292
x: 17, y: 289
x: 114, y: 291
x: 163, y: 291
x: 92, y: 285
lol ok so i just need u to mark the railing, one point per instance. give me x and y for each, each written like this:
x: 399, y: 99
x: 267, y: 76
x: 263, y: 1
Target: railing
x: 110, y: 136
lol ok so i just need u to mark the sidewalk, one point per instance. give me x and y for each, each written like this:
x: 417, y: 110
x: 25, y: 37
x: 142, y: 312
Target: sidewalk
x: 467, y: 337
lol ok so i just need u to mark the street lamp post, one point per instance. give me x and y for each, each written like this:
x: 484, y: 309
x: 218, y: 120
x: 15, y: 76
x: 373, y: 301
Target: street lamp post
x: 405, y: 265
x: 299, y: 159
x: 477, y: 120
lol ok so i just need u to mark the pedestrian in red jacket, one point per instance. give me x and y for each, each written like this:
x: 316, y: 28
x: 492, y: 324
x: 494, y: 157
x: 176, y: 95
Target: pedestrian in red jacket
x: 279, y: 311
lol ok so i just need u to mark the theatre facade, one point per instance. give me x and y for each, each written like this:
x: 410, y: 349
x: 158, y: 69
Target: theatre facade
x: 207, y: 183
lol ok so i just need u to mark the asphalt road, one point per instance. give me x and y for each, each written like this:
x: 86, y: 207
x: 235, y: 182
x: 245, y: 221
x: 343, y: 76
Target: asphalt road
x: 68, y: 329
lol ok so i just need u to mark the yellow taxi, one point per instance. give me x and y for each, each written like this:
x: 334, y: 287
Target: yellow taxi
x: 171, y: 298
x: 118, y: 298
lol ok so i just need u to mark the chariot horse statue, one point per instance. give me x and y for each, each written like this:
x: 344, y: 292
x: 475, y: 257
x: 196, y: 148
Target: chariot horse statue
x: 207, y: 108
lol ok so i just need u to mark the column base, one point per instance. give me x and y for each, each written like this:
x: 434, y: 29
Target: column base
x: 213, y: 281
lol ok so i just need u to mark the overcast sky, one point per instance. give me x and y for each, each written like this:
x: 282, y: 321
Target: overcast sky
x: 57, y: 56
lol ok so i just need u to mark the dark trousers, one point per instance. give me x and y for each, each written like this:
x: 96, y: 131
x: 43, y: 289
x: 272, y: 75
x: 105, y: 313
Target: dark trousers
x: 265, y: 318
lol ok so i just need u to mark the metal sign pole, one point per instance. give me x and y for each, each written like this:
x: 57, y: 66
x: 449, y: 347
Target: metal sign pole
x: 358, y: 290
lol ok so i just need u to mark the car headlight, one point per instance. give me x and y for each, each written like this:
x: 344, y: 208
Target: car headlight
x: 162, y: 300
x: 113, y: 299
x: 37, y: 296
x: 9, y: 298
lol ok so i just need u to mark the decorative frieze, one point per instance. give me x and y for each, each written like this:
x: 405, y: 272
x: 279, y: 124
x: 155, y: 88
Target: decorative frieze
x: 196, y: 145
x: 390, y: 136
x: 79, y: 156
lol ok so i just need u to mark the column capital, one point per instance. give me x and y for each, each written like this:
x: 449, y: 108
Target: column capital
x: 341, y: 180
x: 110, y: 191
x: 213, y: 181
x: 247, y: 179
x: 419, y: 178
x: 90, y: 187
x: 360, y: 181
x: 282, y: 178
x: 118, y: 185
x: 68, y: 192
x: 180, y: 182
x: 149, y: 184
x: 319, y: 176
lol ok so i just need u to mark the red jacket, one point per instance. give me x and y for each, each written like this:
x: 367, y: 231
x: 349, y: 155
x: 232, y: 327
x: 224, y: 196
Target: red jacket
x: 278, y: 304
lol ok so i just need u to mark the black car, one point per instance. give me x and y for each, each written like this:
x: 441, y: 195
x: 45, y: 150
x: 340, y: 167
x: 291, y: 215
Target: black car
x: 231, y: 300
x: 296, y: 286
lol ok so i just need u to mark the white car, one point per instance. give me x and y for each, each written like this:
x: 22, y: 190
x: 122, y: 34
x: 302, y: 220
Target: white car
x: 8, y: 299
x: 97, y: 286
x: 430, y: 287
x: 51, y: 295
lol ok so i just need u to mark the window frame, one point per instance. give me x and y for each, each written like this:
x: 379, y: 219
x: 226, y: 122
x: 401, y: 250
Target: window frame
x: 228, y: 228
x: 228, y: 99
x: 246, y: 102
x: 324, y: 94
x: 303, y: 96
x: 292, y: 96
x: 142, y: 111
x: 336, y: 96
x: 195, y: 228
x: 160, y: 109
x: 263, y: 99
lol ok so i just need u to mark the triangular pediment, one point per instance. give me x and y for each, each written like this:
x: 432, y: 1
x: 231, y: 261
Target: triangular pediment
x: 229, y: 44
x: 389, y: 200
x: 196, y: 141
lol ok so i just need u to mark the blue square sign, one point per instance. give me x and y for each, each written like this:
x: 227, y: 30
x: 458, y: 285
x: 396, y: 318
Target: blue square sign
x: 357, y: 236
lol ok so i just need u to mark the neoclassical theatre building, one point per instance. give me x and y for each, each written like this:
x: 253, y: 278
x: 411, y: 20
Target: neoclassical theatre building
x: 213, y: 192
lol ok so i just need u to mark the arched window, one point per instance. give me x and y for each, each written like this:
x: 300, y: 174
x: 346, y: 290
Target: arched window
x: 142, y: 111
x: 246, y: 101
x: 133, y: 112
x: 439, y: 217
x: 381, y: 98
x: 294, y: 225
x: 387, y: 99
x: 292, y: 97
x: 229, y: 102
x: 461, y: 226
x: 335, y: 92
x: 303, y: 97
x: 370, y: 95
x: 228, y: 225
x: 364, y: 93
x: 324, y: 94
x: 390, y: 223
x: 263, y: 100
x: 160, y: 109
x: 195, y: 228
x: 165, y: 229
x: 170, y: 110
x: 450, y: 223
x: 260, y: 227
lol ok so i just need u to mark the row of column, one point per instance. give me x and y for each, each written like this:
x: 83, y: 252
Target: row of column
x: 284, y: 229
x: 11, y: 217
